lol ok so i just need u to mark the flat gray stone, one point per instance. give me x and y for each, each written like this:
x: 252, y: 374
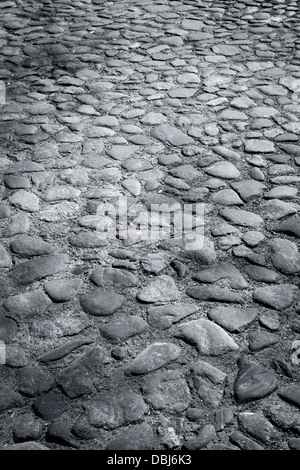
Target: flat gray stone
x: 101, y: 303
x: 25, y: 200
x: 262, y: 112
x: 31, y: 246
x: 160, y: 289
x: 8, y: 329
x: 5, y: 258
x: 261, y: 274
x: 138, y: 437
x: 50, y: 405
x: 259, y: 146
x: 226, y: 197
x: 259, y: 340
x: 29, y: 445
x: 249, y: 189
x: 62, y: 290
x: 202, y: 438
x: 33, y: 381
x: 273, y: 90
x: 114, y: 277
x: 243, y: 442
x: 112, y: 409
x: 163, y: 316
x: 209, y: 382
x: 121, y: 152
x: 153, y: 357
x: 290, y: 227
x: 64, y: 350
x: 214, y: 294
x: 258, y: 427
x: 275, y: 209
x: 285, y: 255
x: 278, y: 297
x: 233, y: 115
x: 59, y: 193
x: 226, y: 153
x: 121, y: 329
x: 291, y: 394
x: 253, y: 238
x: 166, y: 390
x: 208, y: 338
x: 9, y: 398
x: 87, y: 239
x: 171, y: 135
x: 253, y: 381
x: 38, y: 268
x: 28, y: 303
x: 233, y: 319
x: 223, y: 169
x: 282, y: 192
x: 242, y: 217
x: 220, y: 271
x: 201, y: 249
x: 78, y: 378
x: 186, y: 172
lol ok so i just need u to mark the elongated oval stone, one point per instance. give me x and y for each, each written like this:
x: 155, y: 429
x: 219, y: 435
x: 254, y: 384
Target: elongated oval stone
x: 101, y: 303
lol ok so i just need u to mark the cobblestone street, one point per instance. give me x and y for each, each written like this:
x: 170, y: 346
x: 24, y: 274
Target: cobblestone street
x: 172, y: 330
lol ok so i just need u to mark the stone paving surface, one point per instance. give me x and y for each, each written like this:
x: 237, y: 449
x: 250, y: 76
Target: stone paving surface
x: 129, y: 343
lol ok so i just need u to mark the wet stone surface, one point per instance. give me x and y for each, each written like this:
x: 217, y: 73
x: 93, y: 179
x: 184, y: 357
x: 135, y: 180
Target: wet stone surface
x: 149, y: 219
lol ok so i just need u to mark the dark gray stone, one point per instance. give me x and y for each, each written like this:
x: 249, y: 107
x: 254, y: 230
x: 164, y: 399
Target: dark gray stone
x: 101, y: 303
x: 27, y: 428
x: 206, y: 434
x: 258, y: 427
x: 290, y: 227
x: 209, y: 382
x: 121, y: 329
x: 166, y: 390
x: 291, y: 394
x: 29, y: 303
x: 153, y: 357
x: 139, y: 437
x: 33, y: 381
x: 214, y: 294
x: 61, y: 290
x: 50, y: 406
x: 259, y: 340
x: 261, y: 274
x: 244, y: 443
x: 8, y: 329
x: 64, y: 350
x: 38, y: 268
x: 30, y: 246
x: 9, y: 398
x: 77, y: 379
x: 253, y: 381
x: 114, y: 277
x: 279, y: 297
